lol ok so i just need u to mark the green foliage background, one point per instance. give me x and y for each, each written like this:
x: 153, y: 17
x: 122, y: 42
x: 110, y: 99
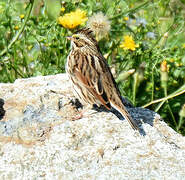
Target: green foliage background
x: 36, y: 45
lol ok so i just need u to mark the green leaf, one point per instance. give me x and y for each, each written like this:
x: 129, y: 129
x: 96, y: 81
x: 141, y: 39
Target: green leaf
x: 52, y: 8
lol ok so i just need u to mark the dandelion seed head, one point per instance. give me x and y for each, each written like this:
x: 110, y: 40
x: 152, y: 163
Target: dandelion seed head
x: 99, y: 24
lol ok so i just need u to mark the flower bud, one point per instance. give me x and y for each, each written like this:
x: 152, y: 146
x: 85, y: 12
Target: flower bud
x: 165, y: 35
x: 141, y: 71
x: 124, y: 75
x: 163, y: 40
x: 163, y: 66
x: 164, y: 73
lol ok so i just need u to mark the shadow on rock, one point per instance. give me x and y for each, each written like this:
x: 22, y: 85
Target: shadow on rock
x: 140, y: 115
x: 2, y: 111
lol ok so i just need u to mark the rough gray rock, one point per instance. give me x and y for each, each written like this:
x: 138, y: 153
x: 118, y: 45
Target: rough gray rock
x: 39, y: 140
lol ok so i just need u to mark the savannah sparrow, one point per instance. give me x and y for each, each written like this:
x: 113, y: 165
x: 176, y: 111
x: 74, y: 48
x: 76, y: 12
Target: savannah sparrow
x: 90, y: 75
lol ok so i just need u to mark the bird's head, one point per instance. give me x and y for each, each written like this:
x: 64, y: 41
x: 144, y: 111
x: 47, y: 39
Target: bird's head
x: 83, y: 38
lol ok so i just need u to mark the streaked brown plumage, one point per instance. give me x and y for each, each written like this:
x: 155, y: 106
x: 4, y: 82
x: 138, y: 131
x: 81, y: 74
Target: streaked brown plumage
x: 91, y: 77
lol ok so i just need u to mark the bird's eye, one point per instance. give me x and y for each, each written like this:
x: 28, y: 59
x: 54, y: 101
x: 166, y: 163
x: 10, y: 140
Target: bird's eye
x: 77, y: 38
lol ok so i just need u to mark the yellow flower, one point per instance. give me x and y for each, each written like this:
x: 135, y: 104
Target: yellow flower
x: 62, y: 9
x: 16, y: 27
x: 73, y: 19
x: 128, y: 43
x: 30, y: 47
x: 132, y: 6
x: 178, y: 64
x: 171, y: 60
x: 126, y: 18
x: 157, y: 89
x: 22, y: 16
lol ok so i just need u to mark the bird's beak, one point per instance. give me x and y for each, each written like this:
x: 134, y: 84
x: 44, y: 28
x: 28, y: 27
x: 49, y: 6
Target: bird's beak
x: 69, y: 38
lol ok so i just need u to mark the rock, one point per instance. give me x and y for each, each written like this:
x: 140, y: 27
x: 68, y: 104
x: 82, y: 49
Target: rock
x: 38, y: 138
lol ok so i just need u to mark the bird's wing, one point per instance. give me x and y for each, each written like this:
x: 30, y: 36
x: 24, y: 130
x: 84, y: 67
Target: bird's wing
x: 88, y: 72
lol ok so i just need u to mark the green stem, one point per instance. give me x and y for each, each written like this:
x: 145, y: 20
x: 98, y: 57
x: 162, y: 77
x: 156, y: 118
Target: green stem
x: 135, y: 88
x: 159, y: 106
x: 131, y: 31
x: 180, y: 91
x: 169, y: 108
x: 131, y: 10
x: 152, y: 97
x: 16, y: 70
x: 166, y: 6
x: 21, y: 29
x: 7, y: 73
x: 180, y: 123
x: 153, y: 83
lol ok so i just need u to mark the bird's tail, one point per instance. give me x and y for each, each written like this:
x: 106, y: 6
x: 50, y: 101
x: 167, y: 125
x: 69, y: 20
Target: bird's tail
x: 121, y: 108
